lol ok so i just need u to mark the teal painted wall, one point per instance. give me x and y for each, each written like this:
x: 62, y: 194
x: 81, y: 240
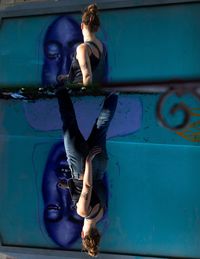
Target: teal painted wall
x: 153, y: 173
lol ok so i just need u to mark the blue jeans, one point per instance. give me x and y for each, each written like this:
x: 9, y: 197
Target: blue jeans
x: 76, y: 147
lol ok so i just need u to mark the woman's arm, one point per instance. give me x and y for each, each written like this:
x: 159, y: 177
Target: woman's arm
x: 84, y: 62
x: 85, y: 197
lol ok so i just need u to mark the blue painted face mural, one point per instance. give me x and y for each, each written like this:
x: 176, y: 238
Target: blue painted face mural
x: 60, y: 42
x: 62, y: 224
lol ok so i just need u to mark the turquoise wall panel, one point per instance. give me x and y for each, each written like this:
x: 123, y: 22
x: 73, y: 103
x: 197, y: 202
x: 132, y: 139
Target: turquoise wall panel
x: 153, y: 43
x: 154, y: 206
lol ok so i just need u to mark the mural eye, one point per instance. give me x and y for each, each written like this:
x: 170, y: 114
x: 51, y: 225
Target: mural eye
x: 52, y: 51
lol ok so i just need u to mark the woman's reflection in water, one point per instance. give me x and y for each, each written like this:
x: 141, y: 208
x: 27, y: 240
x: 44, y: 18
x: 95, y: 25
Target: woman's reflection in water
x: 87, y: 160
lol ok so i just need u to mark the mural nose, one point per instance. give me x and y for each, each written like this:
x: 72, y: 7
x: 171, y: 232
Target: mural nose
x: 65, y: 65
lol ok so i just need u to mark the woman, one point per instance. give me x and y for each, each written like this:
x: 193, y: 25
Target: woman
x: 87, y: 159
x: 89, y: 60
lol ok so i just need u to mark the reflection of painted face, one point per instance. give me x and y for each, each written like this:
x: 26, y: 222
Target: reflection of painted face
x: 62, y: 223
x: 61, y: 220
x: 61, y: 39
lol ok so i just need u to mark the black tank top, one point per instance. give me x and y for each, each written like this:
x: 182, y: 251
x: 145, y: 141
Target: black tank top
x: 75, y: 188
x: 75, y: 74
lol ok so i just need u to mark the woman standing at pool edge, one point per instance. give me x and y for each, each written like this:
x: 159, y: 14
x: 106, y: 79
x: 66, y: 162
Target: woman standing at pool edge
x: 87, y: 159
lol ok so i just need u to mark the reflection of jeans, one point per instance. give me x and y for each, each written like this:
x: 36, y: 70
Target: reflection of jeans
x: 76, y: 146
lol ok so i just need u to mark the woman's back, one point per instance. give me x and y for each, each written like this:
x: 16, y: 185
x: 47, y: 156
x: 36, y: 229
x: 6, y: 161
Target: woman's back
x: 97, y: 56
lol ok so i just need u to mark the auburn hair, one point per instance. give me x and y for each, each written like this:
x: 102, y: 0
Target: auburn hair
x: 90, y: 18
x: 90, y: 242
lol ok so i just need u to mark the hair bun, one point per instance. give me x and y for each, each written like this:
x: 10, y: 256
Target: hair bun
x: 93, y: 252
x: 93, y: 9
x: 90, y: 18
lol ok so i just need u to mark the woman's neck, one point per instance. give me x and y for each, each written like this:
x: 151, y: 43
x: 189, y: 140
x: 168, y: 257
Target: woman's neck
x: 87, y: 36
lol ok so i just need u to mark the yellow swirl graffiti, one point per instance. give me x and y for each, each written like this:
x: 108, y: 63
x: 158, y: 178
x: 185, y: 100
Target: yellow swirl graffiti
x: 192, y: 132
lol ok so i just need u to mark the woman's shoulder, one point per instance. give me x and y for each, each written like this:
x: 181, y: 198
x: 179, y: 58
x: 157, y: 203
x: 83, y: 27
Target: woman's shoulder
x: 100, y: 45
x: 81, y: 47
x: 96, y: 44
x: 96, y: 213
x: 89, y: 45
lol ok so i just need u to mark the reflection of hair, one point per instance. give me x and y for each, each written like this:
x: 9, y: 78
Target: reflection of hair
x: 90, y: 18
x: 91, y: 241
